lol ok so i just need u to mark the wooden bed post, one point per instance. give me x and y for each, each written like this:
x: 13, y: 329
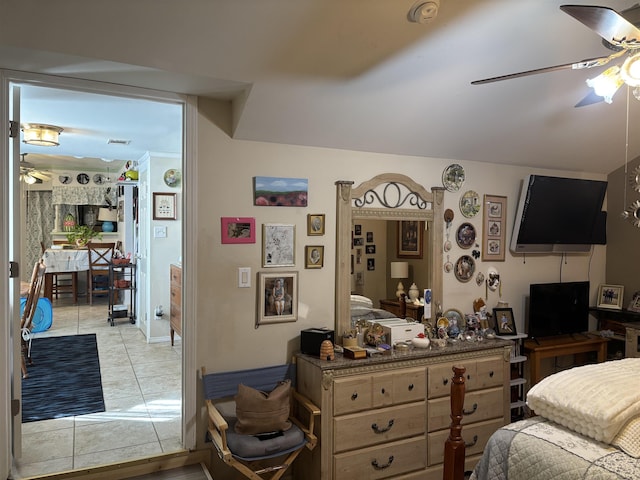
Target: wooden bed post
x: 454, y: 447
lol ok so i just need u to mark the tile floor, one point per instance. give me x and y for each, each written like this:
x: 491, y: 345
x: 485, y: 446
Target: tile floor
x: 142, y: 392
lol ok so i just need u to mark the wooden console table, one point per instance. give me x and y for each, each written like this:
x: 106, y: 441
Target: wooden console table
x: 559, y: 346
x: 413, y: 311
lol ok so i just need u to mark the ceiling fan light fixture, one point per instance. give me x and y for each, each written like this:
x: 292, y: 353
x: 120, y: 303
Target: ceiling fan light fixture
x: 630, y: 71
x: 607, y: 83
x: 29, y: 180
x: 41, y: 135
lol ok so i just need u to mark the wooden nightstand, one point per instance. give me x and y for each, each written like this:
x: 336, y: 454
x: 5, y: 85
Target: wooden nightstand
x: 414, y: 312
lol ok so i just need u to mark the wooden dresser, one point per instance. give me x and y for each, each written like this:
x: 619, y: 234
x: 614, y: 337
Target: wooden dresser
x: 412, y: 311
x: 389, y: 416
x: 175, y: 311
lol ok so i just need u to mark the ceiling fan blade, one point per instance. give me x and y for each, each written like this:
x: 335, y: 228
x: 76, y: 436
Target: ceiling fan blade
x: 607, y: 23
x: 590, y: 99
x: 40, y: 175
x: 587, y: 63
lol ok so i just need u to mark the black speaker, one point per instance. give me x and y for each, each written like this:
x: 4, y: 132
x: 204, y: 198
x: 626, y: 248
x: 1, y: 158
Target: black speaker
x: 312, y: 338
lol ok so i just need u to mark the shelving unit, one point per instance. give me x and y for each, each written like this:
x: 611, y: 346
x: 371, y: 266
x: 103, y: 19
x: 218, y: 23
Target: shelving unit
x: 518, y: 381
x: 122, y: 288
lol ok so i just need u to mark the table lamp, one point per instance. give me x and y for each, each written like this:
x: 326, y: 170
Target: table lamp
x: 107, y: 217
x: 400, y: 270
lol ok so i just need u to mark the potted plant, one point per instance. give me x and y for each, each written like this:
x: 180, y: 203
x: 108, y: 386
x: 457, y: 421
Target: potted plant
x: 82, y: 234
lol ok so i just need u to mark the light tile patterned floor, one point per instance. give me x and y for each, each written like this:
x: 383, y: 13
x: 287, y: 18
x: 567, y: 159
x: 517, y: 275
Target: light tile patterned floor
x: 141, y: 384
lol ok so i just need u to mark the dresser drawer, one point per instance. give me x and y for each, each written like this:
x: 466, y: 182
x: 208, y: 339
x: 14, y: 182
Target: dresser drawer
x: 351, y: 395
x: 475, y: 438
x: 481, y: 373
x: 478, y: 406
x: 403, y: 386
x: 382, y: 461
x: 382, y: 425
x: 176, y: 275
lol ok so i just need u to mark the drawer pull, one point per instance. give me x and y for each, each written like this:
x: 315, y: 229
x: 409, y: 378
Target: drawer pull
x: 376, y: 429
x: 491, y: 374
x: 469, y: 412
x: 475, y: 440
x: 382, y: 391
x: 354, y: 395
x: 375, y: 465
x: 410, y: 386
x: 445, y: 381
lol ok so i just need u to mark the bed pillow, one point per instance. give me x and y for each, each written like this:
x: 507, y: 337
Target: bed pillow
x: 628, y: 440
x: 260, y: 412
x: 361, y: 301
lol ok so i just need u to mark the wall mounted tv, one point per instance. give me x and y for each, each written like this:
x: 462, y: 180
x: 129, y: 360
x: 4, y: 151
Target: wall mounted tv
x: 559, y: 215
x: 558, y: 309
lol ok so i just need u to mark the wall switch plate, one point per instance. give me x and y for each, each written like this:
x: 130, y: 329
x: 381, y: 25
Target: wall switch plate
x: 244, y: 277
x: 160, y: 232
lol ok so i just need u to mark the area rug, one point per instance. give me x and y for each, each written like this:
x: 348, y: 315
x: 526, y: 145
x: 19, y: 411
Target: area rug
x: 64, y: 379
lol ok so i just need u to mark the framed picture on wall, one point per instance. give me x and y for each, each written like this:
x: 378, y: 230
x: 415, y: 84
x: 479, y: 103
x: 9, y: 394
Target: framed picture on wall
x: 277, y: 297
x: 164, y: 206
x: 409, y: 238
x: 315, y: 224
x: 278, y: 245
x: 238, y: 229
x: 314, y: 256
x: 494, y: 228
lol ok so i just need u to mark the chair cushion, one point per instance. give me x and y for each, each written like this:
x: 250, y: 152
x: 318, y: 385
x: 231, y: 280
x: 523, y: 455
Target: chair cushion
x: 260, y: 412
x: 248, y: 447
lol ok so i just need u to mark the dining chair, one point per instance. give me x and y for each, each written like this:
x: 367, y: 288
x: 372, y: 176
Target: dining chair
x: 100, y: 255
x: 28, y: 312
x: 62, y: 282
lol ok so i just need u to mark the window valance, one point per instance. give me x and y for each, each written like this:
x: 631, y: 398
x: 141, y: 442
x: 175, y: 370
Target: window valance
x: 64, y: 195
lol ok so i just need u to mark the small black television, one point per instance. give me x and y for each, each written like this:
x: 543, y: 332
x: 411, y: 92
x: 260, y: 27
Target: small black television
x: 559, y: 215
x: 558, y: 309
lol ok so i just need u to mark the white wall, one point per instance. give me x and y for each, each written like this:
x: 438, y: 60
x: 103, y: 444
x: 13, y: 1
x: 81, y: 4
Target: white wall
x: 227, y: 338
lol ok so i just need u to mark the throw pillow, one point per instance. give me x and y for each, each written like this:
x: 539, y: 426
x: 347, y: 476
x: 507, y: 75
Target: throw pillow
x: 260, y: 412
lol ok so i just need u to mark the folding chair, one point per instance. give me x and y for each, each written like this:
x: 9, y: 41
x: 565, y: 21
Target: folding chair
x: 28, y: 312
x: 254, y: 455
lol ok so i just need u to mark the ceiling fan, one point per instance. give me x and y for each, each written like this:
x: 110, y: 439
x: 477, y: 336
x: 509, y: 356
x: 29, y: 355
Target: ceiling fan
x: 30, y: 174
x: 619, y: 34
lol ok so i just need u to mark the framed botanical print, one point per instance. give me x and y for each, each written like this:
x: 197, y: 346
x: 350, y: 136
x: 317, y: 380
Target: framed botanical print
x: 494, y: 228
x: 278, y: 245
x: 277, y: 297
x: 409, y: 239
x: 164, y: 206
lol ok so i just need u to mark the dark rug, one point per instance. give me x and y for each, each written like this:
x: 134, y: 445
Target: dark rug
x: 64, y: 379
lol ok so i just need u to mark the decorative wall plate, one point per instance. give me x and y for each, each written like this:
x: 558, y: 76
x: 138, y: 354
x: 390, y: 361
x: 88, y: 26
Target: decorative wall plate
x: 470, y: 204
x: 65, y: 179
x: 172, y: 178
x: 464, y: 268
x: 82, y: 178
x: 466, y: 235
x: 493, y: 279
x: 99, y: 179
x: 453, y: 177
x: 454, y: 316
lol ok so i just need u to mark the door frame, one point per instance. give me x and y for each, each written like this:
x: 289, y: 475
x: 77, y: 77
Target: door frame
x: 189, y: 212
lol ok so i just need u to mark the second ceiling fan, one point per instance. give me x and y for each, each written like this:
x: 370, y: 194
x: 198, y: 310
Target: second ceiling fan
x: 618, y: 33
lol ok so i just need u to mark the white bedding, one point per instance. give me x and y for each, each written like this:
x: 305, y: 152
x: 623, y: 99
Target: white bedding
x: 612, y: 391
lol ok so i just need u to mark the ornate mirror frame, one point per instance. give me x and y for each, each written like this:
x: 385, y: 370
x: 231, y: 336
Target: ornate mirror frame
x: 389, y: 196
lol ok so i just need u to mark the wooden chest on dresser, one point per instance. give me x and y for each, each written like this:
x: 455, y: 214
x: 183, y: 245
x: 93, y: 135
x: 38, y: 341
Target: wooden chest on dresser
x: 389, y: 416
x: 175, y: 310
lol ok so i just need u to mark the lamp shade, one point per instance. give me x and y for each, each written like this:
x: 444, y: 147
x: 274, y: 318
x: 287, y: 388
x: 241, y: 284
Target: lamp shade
x: 399, y: 269
x: 107, y: 215
x: 41, y: 135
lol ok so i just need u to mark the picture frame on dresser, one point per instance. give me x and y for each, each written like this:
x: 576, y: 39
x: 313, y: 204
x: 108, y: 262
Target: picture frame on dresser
x: 504, y: 323
x: 610, y: 296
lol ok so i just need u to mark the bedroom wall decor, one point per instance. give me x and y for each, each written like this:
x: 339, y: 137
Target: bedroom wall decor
x: 238, y: 229
x: 315, y: 224
x: 164, y: 206
x: 410, y: 233
x: 314, y: 256
x: 277, y: 297
x: 505, y: 325
x: 610, y: 296
x: 494, y: 228
x: 280, y: 192
x: 278, y: 245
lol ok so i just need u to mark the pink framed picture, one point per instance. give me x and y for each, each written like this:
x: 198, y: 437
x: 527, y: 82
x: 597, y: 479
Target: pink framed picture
x: 238, y: 229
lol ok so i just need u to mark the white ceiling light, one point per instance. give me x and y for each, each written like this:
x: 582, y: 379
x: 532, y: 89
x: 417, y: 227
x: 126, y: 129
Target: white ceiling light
x: 424, y: 11
x: 41, y: 135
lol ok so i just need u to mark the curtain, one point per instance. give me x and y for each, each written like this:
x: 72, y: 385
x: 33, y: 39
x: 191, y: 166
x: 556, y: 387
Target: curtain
x: 39, y: 224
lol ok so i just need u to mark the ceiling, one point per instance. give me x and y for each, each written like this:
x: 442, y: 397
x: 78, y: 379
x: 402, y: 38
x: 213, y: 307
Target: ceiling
x: 341, y: 74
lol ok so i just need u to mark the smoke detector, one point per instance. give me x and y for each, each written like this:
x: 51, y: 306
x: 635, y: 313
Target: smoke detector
x: 424, y: 11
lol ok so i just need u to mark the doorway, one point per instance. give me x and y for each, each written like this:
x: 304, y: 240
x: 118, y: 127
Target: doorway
x: 82, y: 316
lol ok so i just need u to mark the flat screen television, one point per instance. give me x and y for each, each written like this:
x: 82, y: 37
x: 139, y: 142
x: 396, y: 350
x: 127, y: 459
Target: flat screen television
x: 558, y: 309
x: 557, y: 215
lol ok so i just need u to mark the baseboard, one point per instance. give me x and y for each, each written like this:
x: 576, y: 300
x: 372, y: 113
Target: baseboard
x: 136, y: 468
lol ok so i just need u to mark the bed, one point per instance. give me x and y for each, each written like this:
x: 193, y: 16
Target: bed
x: 587, y: 425
x: 362, y: 309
